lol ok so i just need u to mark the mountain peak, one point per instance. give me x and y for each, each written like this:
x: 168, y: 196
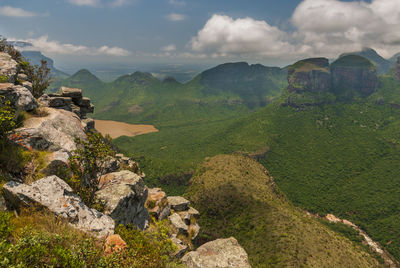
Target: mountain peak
x: 85, y: 75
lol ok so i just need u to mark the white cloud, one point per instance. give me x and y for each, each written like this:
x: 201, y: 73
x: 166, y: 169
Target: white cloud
x: 16, y: 12
x: 224, y: 35
x: 177, y: 2
x: 54, y: 47
x: 92, y: 3
x: 169, y: 48
x: 321, y: 28
x: 176, y: 17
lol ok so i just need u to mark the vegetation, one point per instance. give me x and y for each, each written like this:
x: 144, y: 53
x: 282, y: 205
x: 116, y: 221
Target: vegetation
x: 9, y: 49
x: 39, y: 75
x: 38, y: 239
x: 236, y: 197
x: 7, y: 119
x: 87, y: 162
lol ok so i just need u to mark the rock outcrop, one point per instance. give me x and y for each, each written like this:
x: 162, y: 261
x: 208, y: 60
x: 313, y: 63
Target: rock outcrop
x: 20, y: 96
x: 222, y: 253
x: 69, y: 99
x: 8, y: 67
x: 312, y: 75
x: 54, y: 131
x: 114, y: 243
x: 57, y: 196
x: 353, y: 74
x: 124, y: 195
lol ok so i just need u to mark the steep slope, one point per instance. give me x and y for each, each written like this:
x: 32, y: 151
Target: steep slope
x: 236, y: 196
x: 382, y: 65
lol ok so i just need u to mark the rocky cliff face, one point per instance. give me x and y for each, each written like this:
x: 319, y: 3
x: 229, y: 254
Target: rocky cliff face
x: 311, y: 75
x: 353, y: 74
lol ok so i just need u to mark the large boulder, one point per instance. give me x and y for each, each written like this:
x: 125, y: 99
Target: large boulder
x: 19, y: 96
x: 178, y: 223
x: 353, y: 74
x: 311, y: 75
x: 221, y: 253
x: 57, y: 130
x: 8, y: 67
x: 124, y: 195
x: 178, y: 203
x: 57, y: 196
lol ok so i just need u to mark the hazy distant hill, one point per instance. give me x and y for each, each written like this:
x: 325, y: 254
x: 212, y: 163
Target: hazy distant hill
x: 383, y: 65
x: 34, y: 57
x: 141, y: 97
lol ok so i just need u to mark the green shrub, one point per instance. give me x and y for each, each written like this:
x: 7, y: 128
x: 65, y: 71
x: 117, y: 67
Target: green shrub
x: 86, y: 165
x: 3, y: 79
x: 7, y: 119
x: 40, y: 77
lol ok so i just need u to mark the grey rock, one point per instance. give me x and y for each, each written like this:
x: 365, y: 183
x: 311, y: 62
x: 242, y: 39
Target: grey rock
x: 84, y: 102
x: 57, y: 130
x: 57, y: 196
x: 194, y: 231
x: 124, y: 194
x: 164, y: 213
x: 26, y: 101
x: 108, y: 165
x: 19, y: 96
x: 178, y: 224
x: 27, y: 85
x: 119, y: 156
x: 58, y: 164
x: 178, y: 203
x: 185, y: 216
x: 56, y: 102
x: 8, y: 67
x: 74, y: 93
x: 88, y: 124
x: 194, y: 213
x: 221, y: 253
x: 22, y: 77
x: 181, y: 247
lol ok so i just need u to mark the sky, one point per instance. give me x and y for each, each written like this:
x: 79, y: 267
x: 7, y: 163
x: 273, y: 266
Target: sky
x: 271, y: 32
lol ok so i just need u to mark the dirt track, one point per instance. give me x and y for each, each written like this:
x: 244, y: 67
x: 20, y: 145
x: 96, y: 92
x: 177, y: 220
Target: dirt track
x: 117, y: 129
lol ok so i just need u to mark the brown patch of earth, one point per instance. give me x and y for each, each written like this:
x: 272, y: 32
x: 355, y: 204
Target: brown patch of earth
x: 117, y: 129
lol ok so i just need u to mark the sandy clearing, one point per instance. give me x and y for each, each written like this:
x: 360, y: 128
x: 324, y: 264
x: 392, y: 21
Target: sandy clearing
x: 117, y: 129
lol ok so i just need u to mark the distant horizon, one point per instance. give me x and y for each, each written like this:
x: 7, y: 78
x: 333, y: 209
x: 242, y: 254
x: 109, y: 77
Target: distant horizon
x: 273, y: 33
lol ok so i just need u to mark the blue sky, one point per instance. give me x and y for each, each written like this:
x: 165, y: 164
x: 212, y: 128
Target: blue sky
x: 266, y: 31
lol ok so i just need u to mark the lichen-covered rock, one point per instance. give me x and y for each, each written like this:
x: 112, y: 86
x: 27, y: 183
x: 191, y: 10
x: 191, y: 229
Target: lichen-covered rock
x: 19, y: 96
x: 74, y: 93
x: 221, y: 253
x: 55, y: 131
x: 114, y: 243
x: 311, y: 75
x: 194, y: 213
x: 8, y: 67
x: 157, y: 203
x: 57, y: 196
x: 353, y: 74
x: 108, y: 165
x: 178, y: 203
x: 57, y: 164
x: 181, y: 247
x: 124, y: 194
x: 178, y: 224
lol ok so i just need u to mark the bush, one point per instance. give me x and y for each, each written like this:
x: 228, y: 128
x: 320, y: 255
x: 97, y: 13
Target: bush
x: 39, y: 75
x: 3, y: 79
x: 86, y: 165
x: 7, y: 119
x: 9, y: 49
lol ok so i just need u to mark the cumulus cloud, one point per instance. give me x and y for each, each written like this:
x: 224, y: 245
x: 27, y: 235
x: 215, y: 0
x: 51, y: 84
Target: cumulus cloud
x: 176, y: 17
x: 16, y: 12
x: 321, y: 28
x: 169, y: 48
x: 92, y: 3
x: 225, y: 35
x: 54, y: 47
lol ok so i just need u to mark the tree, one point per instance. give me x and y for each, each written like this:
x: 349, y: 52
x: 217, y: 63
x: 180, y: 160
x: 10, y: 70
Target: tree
x: 40, y: 77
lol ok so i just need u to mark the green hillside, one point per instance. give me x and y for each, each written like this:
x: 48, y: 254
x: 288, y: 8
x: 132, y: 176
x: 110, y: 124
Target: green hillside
x: 142, y: 98
x: 237, y: 197
x: 339, y: 158
x: 383, y: 65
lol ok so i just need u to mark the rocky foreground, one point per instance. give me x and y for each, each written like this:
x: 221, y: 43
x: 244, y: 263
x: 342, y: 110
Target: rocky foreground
x: 60, y: 121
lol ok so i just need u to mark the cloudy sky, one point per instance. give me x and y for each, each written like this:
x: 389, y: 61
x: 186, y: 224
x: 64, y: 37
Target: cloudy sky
x: 273, y: 32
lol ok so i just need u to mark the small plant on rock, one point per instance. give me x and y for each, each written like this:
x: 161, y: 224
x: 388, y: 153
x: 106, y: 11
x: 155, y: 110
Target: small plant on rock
x: 7, y: 119
x: 39, y: 75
